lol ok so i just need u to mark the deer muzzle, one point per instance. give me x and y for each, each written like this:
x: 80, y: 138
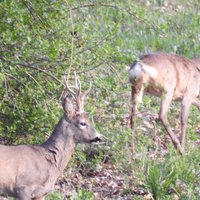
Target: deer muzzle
x: 98, y: 138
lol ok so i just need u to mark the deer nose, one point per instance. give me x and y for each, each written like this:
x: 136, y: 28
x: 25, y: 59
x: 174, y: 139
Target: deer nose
x: 97, y: 138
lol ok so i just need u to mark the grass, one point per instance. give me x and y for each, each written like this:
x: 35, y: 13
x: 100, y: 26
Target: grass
x: 111, y: 35
x: 151, y: 28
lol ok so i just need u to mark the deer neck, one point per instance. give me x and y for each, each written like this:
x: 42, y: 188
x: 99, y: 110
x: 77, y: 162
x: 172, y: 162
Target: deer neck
x: 60, y: 145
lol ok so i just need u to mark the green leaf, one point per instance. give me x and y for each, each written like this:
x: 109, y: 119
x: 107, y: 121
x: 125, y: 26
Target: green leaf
x: 2, y: 78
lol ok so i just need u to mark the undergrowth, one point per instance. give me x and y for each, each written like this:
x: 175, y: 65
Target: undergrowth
x: 100, y: 40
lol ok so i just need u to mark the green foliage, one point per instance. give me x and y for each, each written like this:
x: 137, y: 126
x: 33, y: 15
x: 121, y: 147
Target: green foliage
x: 83, y: 194
x: 56, y: 195
x: 43, y: 40
x: 177, y: 175
x: 159, y: 179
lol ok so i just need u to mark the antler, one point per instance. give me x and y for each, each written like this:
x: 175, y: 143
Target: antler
x: 77, y: 96
x: 81, y: 98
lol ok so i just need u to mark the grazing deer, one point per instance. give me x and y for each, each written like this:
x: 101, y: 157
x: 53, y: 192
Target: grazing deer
x: 29, y: 172
x: 169, y: 77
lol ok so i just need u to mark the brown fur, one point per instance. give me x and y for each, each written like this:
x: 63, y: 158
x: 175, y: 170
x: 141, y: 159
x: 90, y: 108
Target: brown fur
x: 178, y: 78
x: 29, y: 172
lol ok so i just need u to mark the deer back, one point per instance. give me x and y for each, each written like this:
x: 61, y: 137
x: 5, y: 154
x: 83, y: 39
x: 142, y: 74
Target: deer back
x: 162, y: 73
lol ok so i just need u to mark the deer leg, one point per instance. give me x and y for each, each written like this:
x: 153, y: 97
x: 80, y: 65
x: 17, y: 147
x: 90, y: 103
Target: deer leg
x: 23, y: 193
x: 196, y: 103
x: 40, y: 192
x: 186, y: 103
x: 133, y: 107
x: 41, y: 198
x: 165, y: 103
x: 136, y: 98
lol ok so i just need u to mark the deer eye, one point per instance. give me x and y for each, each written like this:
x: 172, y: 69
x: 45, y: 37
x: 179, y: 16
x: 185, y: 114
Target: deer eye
x: 83, y: 124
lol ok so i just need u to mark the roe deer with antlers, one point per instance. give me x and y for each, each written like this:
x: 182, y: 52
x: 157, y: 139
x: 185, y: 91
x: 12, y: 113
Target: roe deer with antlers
x: 170, y: 77
x: 30, y: 171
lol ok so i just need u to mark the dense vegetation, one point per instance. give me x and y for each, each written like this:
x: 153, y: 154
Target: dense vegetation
x: 41, y: 41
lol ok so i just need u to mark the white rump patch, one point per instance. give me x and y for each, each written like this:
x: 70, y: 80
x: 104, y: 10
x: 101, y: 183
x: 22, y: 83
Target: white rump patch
x: 135, y: 71
x: 152, y: 72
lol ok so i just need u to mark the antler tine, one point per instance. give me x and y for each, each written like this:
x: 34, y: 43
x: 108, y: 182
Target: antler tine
x: 87, y: 91
x: 68, y: 88
x: 82, y: 98
x: 67, y: 104
x: 78, y: 84
x: 79, y: 99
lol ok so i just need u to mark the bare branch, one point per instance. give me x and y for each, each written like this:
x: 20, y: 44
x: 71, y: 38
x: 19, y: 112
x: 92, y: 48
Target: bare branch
x: 30, y: 66
x: 110, y: 6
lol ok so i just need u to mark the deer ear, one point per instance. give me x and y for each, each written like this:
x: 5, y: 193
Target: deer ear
x: 68, y: 107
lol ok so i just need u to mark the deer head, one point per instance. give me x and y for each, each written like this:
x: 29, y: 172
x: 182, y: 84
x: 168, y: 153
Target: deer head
x: 73, y: 106
x: 46, y: 161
